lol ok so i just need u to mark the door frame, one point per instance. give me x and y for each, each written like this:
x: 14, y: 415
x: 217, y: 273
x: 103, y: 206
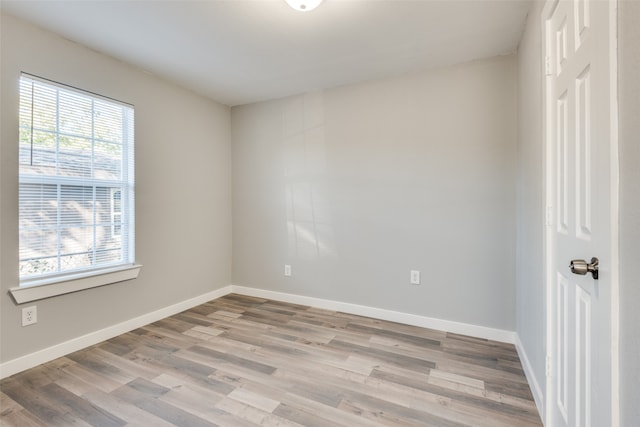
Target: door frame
x: 614, y: 203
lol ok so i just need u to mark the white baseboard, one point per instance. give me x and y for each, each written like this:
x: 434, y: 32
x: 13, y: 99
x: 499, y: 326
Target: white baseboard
x: 383, y: 314
x: 45, y: 355
x: 538, y: 397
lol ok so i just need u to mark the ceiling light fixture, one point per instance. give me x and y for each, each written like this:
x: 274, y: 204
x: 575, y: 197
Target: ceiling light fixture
x: 303, y: 5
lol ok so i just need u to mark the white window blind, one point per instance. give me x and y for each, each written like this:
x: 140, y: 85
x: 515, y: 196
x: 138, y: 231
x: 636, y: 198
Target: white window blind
x: 76, y: 208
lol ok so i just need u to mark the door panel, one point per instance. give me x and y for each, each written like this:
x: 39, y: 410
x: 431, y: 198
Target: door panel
x: 579, y: 141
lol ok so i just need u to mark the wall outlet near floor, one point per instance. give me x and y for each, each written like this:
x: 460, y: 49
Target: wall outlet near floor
x: 287, y: 270
x: 415, y: 277
x: 29, y: 315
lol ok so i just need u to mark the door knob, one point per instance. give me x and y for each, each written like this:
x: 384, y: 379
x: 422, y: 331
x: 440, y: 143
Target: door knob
x: 580, y: 266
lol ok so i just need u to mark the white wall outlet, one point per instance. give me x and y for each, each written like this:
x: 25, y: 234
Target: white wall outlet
x: 415, y: 277
x: 29, y: 315
x: 287, y: 270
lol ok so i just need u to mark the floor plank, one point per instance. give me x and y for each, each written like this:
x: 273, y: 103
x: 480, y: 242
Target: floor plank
x: 244, y: 361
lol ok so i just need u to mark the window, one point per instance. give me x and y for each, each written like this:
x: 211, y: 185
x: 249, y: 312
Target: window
x: 116, y: 212
x: 76, y: 197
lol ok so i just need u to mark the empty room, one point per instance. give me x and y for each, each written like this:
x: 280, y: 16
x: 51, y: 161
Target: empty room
x: 319, y: 213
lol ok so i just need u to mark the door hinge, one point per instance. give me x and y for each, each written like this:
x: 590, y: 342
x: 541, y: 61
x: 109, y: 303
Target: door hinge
x: 548, y: 366
x: 547, y: 65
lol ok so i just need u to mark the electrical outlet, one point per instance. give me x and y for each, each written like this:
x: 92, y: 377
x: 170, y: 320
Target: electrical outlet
x: 287, y: 270
x: 415, y: 277
x: 29, y: 315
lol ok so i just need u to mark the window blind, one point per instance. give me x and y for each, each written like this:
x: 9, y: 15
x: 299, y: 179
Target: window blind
x: 76, y: 195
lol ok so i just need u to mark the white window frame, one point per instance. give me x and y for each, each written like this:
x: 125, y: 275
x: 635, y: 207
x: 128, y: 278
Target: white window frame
x: 62, y: 282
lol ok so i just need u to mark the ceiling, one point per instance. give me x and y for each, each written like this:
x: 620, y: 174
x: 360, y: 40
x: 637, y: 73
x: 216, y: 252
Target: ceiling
x: 243, y: 51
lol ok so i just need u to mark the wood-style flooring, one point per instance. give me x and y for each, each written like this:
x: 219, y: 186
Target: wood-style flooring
x: 244, y: 361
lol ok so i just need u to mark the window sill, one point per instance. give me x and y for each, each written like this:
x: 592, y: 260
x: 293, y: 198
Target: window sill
x: 46, y: 288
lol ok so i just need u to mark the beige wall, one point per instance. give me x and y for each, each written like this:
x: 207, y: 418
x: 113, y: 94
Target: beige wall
x: 357, y: 185
x: 629, y: 103
x: 530, y: 283
x: 183, y: 191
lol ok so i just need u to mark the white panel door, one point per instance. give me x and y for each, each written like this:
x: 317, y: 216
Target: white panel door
x: 579, y: 202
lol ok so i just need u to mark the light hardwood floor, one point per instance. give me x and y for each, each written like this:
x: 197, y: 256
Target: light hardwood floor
x: 243, y: 361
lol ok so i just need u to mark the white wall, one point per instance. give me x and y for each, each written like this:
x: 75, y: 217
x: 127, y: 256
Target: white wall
x: 183, y: 190
x: 530, y: 283
x: 357, y: 185
x: 629, y: 104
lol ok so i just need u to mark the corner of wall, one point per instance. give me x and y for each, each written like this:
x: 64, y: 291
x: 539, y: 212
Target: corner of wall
x: 536, y: 387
